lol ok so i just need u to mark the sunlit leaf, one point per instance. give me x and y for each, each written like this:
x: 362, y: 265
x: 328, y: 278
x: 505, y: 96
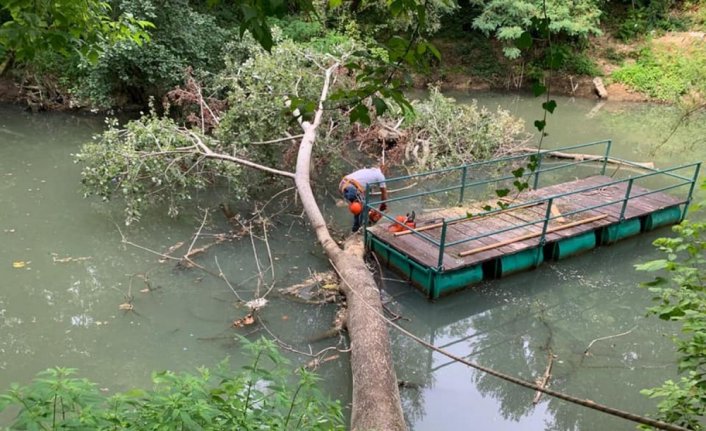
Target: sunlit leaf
x: 653, y: 265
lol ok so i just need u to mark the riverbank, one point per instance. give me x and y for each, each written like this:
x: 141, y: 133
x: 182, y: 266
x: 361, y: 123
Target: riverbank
x: 630, y: 72
x: 559, y: 84
x: 468, y: 68
x: 9, y: 90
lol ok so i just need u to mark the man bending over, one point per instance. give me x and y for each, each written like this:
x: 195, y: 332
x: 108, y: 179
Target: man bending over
x: 353, y: 186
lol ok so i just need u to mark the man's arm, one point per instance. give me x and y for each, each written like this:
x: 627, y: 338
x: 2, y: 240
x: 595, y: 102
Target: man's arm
x: 383, y: 195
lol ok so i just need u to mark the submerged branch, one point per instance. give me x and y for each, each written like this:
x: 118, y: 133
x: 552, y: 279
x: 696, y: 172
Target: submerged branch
x: 585, y: 352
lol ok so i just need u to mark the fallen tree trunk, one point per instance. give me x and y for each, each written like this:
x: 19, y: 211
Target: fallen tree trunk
x: 376, y: 398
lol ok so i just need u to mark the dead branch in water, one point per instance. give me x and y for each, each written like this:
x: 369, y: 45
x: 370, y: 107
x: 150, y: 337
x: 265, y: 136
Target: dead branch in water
x: 317, y: 356
x: 585, y: 352
x: 124, y: 240
x: 196, y: 236
x: 544, y: 380
x: 580, y: 157
x: 320, y: 288
x: 336, y: 329
x: 221, y: 275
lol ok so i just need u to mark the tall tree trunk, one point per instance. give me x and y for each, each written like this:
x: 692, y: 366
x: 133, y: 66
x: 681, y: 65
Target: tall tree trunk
x: 376, y: 398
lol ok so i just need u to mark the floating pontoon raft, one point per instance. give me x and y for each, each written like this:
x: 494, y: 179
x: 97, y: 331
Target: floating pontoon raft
x: 460, y: 241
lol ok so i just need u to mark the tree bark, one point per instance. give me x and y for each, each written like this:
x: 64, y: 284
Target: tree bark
x: 376, y: 398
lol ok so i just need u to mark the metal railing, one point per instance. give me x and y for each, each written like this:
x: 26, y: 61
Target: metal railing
x: 464, y: 184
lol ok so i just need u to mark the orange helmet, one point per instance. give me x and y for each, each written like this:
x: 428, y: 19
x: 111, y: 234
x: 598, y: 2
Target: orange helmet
x: 355, y: 207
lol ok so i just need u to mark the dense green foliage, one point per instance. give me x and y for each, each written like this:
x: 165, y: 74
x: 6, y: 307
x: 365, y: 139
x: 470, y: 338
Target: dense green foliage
x: 120, y: 161
x: 644, y: 16
x: 681, y: 298
x: 109, y: 65
x: 260, y: 396
x: 258, y: 84
x: 509, y: 19
x: 181, y: 38
x: 66, y: 27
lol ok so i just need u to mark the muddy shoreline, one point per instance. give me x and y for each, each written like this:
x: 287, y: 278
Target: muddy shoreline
x: 562, y: 85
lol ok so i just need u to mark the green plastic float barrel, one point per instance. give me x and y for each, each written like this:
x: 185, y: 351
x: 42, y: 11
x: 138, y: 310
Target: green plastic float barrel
x: 663, y: 217
x: 448, y: 282
x: 512, y: 263
x: 618, y: 231
x: 422, y: 277
x: 571, y: 246
x: 434, y: 284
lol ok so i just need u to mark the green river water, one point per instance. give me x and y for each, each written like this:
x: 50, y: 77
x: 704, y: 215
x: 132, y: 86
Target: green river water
x: 57, y: 311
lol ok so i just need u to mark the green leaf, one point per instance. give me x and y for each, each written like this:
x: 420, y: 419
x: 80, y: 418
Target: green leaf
x: 524, y: 41
x: 360, y: 114
x: 556, y: 59
x: 653, y: 265
x: 533, y: 162
x: 434, y: 51
x: 502, y: 192
x: 517, y: 173
x: 538, y: 89
x: 396, y: 7
x: 333, y: 4
x: 380, y: 105
x: 540, y: 124
x: 541, y: 25
x: 487, y: 208
x: 397, y: 46
x: 421, y: 15
x: 549, y: 106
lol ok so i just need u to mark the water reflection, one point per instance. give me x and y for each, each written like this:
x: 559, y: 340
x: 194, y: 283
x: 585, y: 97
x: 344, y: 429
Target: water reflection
x: 513, y: 325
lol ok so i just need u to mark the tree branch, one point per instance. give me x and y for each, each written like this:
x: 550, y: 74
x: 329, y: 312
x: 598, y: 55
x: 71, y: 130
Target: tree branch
x: 208, y: 153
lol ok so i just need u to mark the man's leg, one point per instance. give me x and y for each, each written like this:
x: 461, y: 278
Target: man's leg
x: 356, y: 222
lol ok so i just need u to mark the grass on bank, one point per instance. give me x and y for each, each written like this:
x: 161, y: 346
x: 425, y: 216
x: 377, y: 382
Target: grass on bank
x: 666, y: 71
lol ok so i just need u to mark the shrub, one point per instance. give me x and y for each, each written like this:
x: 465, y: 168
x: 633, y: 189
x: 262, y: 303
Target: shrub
x: 679, y: 293
x: 647, y: 15
x: 509, y: 19
x: 258, y: 397
x: 299, y: 30
x: 133, y: 73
